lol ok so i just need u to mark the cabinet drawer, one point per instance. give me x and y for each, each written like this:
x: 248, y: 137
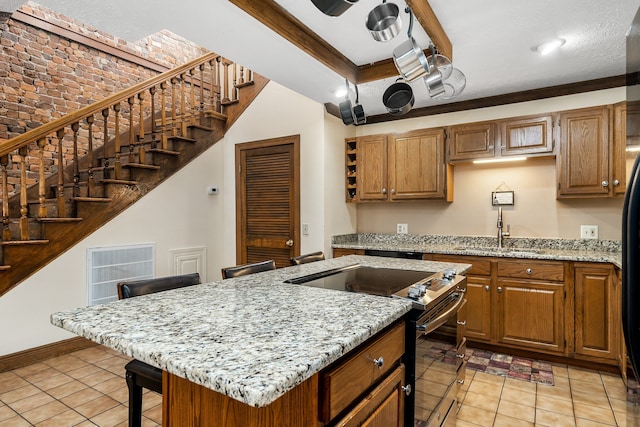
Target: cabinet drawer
x: 481, y: 266
x: 524, y: 269
x: 342, y: 384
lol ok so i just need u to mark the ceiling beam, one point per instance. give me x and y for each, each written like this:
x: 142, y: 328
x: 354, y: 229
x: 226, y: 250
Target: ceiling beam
x: 279, y: 20
x: 291, y: 29
x: 428, y: 20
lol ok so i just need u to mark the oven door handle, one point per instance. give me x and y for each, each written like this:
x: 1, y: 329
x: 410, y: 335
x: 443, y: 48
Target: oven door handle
x: 434, y: 324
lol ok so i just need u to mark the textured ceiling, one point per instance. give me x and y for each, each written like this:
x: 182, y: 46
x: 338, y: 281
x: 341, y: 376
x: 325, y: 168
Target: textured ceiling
x: 493, y: 40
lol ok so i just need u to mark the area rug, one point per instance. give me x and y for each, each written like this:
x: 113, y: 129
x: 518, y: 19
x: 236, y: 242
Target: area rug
x: 519, y: 368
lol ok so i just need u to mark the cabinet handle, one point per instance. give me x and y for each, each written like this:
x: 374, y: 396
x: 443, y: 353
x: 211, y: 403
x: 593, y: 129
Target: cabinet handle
x: 616, y: 182
x: 462, y: 322
x: 384, y: 191
x: 460, y: 356
x: 529, y: 271
x: 406, y: 389
x: 393, y: 191
x: 378, y: 362
x: 487, y: 288
x: 460, y: 382
x: 605, y: 183
x: 499, y: 289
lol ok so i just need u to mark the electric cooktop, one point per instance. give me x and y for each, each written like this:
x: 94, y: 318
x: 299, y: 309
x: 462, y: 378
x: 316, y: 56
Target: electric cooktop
x: 369, y: 280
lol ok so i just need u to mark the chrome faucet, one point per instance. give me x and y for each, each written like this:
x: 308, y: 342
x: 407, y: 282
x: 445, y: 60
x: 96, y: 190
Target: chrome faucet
x: 502, y: 234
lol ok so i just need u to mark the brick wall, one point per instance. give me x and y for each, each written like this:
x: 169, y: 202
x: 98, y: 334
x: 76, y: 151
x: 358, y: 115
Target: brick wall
x: 44, y: 76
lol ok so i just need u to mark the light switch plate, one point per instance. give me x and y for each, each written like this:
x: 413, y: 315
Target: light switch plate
x: 305, y: 229
x: 588, y: 231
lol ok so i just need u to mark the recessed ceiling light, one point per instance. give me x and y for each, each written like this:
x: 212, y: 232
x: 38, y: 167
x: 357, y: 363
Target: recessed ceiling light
x: 550, y: 46
x: 340, y: 92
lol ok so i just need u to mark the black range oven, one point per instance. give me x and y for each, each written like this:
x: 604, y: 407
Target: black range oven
x: 435, y: 345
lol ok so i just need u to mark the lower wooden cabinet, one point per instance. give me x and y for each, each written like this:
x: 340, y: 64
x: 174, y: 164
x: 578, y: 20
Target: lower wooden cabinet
x: 597, y: 311
x: 337, y: 252
x: 478, y: 308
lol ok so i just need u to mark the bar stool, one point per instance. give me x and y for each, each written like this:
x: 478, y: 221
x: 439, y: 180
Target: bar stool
x: 303, y: 259
x: 241, y: 270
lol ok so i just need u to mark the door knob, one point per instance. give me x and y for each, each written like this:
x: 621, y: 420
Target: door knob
x: 289, y: 242
x: 499, y: 288
x: 487, y: 288
x: 605, y: 183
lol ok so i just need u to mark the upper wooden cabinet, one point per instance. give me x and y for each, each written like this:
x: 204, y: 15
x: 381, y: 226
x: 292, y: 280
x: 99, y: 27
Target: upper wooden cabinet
x: 409, y: 166
x: 584, y: 164
x: 526, y: 136
x: 471, y: 141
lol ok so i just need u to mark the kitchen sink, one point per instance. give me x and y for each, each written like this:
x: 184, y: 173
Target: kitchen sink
x: 505, y: 251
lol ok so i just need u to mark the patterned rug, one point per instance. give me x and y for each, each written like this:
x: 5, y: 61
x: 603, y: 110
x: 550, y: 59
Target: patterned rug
x: 519, y: 368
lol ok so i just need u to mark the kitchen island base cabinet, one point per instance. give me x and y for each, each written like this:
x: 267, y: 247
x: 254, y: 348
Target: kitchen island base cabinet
x: 186, y: 404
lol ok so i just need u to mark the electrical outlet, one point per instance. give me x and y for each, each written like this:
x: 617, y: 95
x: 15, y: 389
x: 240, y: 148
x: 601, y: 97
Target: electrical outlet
x: 588, y: 231
x: 212, y: 190
x: 305, y: 229
x: 402, y: 228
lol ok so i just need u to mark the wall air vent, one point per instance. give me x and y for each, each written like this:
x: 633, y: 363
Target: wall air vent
x: 109, y: 265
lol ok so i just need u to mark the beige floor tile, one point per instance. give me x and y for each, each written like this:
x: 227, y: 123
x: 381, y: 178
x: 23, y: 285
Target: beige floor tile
x: 518, y: 396
x: 594, y: 413
x: 504, y: 421
x: 516, y: 410
x: 80, y: 397
x: 593, y: 399
x: 10, y: 381
x: 19, y: 393
x: 31, y: 402
x: 84, y: 371
x: 151, y: 399
x: 560, y: 371
x: 99, y: 377
x: 489, y: 378
x: 93, y: 354
x: 112, y: 417
x: 622, y: 417
x: 587, y: 423
x: 477, y: 400
x: 6, y: 413
x: 488, y: 389
x: 460, y: 423
x: 64, y: 419
x: 31, y: 369
x: 44, y: 412
x: 474, y: 415
x: 513, y: 384
x: 121, y: 394
x: 155, y: 414
x: 67, y: 389
x: 96, y: 406
x: 53, y: 381
x: 560, y: 382
x: 553, y: 419
x: 587, y: 386
x: 16, y: 421
x: 618, y: 405
x: 110, y: 385
x: 551, y: 404
x: 582, y: 374
x: 556, y: 392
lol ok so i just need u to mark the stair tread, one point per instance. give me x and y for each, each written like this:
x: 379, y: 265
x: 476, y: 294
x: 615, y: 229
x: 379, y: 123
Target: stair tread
x: 117, y: 181
x: 140, y: 166
x: 91, y: 199
x: 245, y: 84
x: 4, y: 267
x: 197, y: 126
x: 24, y: 242
x: 58, y: 220
x: 163, y: 151
x: 229, y: 102
x: 182, y: 139
x: 216, y: 115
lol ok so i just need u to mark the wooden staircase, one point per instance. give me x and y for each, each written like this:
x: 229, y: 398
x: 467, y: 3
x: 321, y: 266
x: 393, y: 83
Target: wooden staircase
x: 83, y: 169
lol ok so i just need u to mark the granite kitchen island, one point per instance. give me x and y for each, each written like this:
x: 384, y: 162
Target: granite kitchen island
x: 250, y: 345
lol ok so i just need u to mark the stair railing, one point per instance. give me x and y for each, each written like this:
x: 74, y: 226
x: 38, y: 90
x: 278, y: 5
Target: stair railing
x: 89, y: 142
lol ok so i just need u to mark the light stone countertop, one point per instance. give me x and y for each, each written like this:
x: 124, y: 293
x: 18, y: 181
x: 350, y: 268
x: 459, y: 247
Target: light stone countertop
x: 252, y: 338
x: 605, y: 251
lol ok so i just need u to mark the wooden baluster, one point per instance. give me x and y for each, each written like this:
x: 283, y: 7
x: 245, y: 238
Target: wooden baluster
x: 117, y: 163
x: 141, y: 152
x: 105, y: 114
x: 76, y: 168
x: 174, y: 106
x: 24, y: 209
x: 154, y: 129
x: 201, y: 115
x: 193, y: 107
x: 241, y: 81
x: 62, y: 206
x: 132, y: 157
x: 183, y: 108
x: 224, y: 79
x: 234, y: 87
x: 163, y: 116
x: 6, y: 233
x: 42, y: 188
x: 218, y: 89
x: 90, y: 180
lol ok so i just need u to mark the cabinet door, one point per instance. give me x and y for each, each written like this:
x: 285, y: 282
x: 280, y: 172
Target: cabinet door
x: 417, y: 165
x: 372, y: 167
x: 478, y: 313
x: 383, y: 407
x: 530, y: 315
x: 596, y: 310
x: 526, y: 136
x: 583, y: 163
x: 471, y: 141
x: 621, y: 138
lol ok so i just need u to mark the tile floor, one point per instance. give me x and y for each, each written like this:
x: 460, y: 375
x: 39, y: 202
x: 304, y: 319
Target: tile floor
x: 87, y: 388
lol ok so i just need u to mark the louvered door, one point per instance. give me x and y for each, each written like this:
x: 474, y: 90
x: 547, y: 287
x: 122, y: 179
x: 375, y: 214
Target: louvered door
x: 267, y: 200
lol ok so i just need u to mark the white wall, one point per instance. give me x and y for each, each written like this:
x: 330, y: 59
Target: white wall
x: 180, y: 214
x: 536, y: 212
